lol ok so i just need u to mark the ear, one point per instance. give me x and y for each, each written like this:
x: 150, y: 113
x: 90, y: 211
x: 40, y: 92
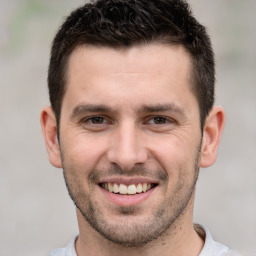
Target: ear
x: 212, y: 132
x: 49, y: 129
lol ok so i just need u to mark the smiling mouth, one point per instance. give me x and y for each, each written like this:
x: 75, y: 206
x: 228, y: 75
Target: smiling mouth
x: 131, y: 189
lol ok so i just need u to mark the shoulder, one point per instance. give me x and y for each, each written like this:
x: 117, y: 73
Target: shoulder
x: 65, y: 251
x: 58, y: 252
x: 211, y: 247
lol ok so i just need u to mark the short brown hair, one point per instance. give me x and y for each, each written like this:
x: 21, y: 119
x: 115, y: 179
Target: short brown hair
x: 125, y: 23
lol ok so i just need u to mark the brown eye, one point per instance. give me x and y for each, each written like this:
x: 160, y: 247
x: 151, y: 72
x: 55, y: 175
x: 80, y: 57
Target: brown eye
x: 96, y: 123
x: 160, y: 124
x: 159, y: 120
x: 97, y: 120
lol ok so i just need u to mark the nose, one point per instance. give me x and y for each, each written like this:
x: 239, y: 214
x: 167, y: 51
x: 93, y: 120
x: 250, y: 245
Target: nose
x: 126, y: 147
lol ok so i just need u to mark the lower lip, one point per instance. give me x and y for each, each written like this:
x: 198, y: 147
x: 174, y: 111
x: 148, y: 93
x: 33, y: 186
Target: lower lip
x: 127, y: 200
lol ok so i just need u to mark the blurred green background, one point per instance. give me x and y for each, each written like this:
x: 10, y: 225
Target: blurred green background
x: 36, y: 214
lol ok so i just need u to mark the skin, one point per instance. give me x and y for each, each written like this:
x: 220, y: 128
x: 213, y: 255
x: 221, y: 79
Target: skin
x: 131, y: 120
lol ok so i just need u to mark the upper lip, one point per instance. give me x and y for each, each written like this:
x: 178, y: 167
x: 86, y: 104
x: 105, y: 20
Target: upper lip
x: 128, y: 180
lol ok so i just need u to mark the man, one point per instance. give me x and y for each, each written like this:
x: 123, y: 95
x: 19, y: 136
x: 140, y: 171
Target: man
x: 131, y: 121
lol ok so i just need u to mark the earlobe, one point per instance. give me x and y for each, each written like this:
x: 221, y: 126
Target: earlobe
x: 213, y: 128
x: 49, y: 129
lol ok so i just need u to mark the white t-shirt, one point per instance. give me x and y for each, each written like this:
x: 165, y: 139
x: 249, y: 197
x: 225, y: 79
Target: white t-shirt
x: 211, y: 248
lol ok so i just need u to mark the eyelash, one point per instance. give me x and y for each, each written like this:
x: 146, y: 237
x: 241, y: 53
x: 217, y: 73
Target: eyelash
x: 162, y: 119
x: 90, y: 120
x: 159, y: 120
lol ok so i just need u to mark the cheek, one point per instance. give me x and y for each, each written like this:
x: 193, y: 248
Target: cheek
x: 83, y: 151
x: 174, y: 154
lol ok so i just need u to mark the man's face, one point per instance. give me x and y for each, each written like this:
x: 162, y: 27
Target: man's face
x: 130, y: 140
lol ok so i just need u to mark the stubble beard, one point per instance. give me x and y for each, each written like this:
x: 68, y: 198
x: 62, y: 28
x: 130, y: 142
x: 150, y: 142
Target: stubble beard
x: 125, y: 232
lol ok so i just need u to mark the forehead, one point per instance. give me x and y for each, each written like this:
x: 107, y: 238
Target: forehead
x: 149, y: 58
x: 147, y: 72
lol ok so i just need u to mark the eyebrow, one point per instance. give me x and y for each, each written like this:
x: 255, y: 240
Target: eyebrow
x: 163, y: 108
x: 94, y: 108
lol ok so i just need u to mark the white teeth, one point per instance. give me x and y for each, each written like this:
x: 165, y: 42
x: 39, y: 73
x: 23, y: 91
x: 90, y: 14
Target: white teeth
x: 144, y: 187
x: 139, y: 188
x: 131, y: 189
x: 110, y: 187
x: 124, y: 189
x: 115, y: 188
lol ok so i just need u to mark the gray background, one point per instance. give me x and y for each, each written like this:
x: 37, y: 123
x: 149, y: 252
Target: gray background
x: 36, y: 214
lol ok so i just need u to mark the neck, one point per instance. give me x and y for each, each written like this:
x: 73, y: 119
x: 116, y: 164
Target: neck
x: 91, y: 243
